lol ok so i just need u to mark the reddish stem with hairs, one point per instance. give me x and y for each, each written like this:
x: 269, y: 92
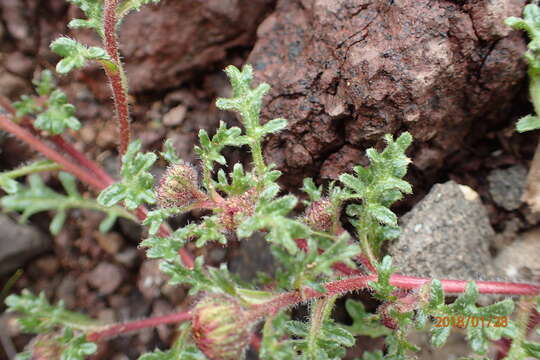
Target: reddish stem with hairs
x: 116, y: 76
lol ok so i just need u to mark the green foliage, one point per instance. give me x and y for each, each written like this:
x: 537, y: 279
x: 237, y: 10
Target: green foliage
x: 247, y: 102
x: 93, y: 9
x: 465, y: 308
x: 53, y: 112
x: 135, y: 188
x: 132, y: 5
x: 37, y: 315
x: 330, y: 341
x: 38, y: 197
x: 75, y: 55
x: 531, y: 24
x: 7, y: 178
x: 364, y: 323
x: 271, y: 214
x: 378, y: 187
x: 383, y: 289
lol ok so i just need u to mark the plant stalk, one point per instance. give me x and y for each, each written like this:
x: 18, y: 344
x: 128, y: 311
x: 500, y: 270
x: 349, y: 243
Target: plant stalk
x: 118, y: 329
x: 117, y: 77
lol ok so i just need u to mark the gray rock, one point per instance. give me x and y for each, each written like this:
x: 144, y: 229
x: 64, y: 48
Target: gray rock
x: 519, y: 261
x: 253, y: 256
x: 18, y: 243
x: 446, y: 235
x: 507, y: 185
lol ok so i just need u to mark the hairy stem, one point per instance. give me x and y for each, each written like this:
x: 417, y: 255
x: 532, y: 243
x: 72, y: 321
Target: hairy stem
x: 117, y: 78
x: 404, y: 282
x: 117, y: 329
x: 81, y: 159
x: 83, y: 174
x: 7, y: 125
x: 319, y: 314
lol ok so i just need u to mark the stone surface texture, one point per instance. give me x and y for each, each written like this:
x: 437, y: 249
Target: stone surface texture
x: 506, y: 186
x: 345, y: 72
x: 19, y: 243
x: 446, y: 235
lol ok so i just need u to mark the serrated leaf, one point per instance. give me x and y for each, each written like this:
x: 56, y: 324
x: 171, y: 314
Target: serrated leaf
x: 38, y: 197
x: 439, y: 335
x: 137, y: 182
x: 76, y: 55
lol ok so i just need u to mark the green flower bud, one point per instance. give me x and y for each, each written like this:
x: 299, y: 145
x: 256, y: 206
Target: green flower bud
x: 179, y: 187
x: 220, y: 327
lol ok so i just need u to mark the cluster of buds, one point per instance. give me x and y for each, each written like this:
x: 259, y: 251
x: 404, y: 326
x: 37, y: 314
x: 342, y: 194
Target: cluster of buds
x: 221, y: 327
x: 237, y: 207
x: 179, y: 187
x: 319, y: 215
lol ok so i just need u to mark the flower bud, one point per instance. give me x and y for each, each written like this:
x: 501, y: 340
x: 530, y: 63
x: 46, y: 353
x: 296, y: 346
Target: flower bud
x: 179, y: 186
x: 237, y: 206
x: 220, y: 327
x: 318, y: 215
x: 45, y: 347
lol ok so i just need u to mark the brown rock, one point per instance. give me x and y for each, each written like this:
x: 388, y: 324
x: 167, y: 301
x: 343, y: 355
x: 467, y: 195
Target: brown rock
x: 111, y: 242
x: 346, y: 72
x: 151, y: 279
x: 164, y: 44
x: 106, y: 277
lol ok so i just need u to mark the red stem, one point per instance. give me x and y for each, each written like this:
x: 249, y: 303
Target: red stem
x: 38, y: 145
x: 85, y: 175
x: 401, y: 281
x: 116, y: 76
x: 118, y: 329
x: 81, y: 159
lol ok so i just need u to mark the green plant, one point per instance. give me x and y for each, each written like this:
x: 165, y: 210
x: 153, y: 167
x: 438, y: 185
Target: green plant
x: 318, y: 261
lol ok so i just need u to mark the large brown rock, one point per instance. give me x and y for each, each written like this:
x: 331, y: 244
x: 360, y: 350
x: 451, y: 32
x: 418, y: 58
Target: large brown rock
x: 345, y: 72
x: 165, y: 44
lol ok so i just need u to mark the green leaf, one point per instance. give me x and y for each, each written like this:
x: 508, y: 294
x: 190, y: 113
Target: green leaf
x: 38, y: 197
x: 93, y: 9
x: 45, y: 83
x: 135, y: 188
x: 36, y: 315
x: 132, y: 5
x: 382, y: 214
x: 383, y: 289
x: 528, y: 123
x: 364, y: 323
x: 314, y: 192
x: 76, y: 347
x: 439, y: 335
x: 210, y: 150
x: 170, y: 153
x: 377, y: 187
x: 76, y: 55
x: 58, y: 116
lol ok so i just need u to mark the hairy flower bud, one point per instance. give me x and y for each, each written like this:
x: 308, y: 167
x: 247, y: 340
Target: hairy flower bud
x: 237, y: 206
x: 179, y: 186
x: 318, y: 215
x: 45, y: 347
x: 220, y: 327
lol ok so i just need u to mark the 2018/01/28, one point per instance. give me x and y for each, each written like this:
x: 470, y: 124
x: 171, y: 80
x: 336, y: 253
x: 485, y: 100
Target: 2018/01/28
x: 473, y: 321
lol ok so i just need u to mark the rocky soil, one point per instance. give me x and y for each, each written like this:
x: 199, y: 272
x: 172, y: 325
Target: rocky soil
x: 343, y: 72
